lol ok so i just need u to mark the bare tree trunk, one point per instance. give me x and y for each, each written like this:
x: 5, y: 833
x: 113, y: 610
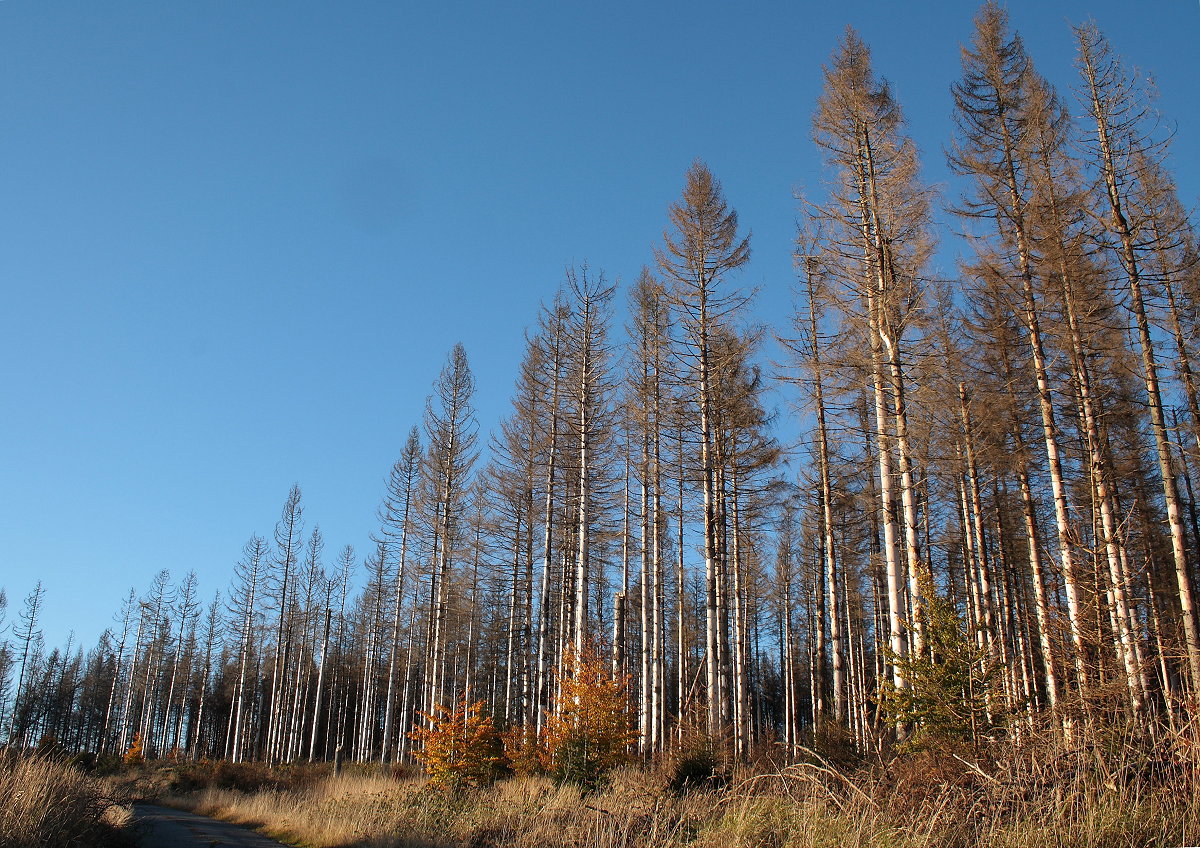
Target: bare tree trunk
x: 406, y: 701
x: 681, y: 668
x: 471, y: 659
x: 741, y: 659
x: 127, y: 608
x: 646, y: 587
x: 511, y: 664
x: 1108, y: 98
x: 583, y: 549
x: 973, y: 524
x: 316, y: 715
x: 407, y: 468
x: 783, y: 565
x: 544, y: 599
x: 657, y: 666
x: 826, y: 498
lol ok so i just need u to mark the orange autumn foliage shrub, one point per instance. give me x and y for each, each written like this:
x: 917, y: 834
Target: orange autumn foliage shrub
x: 591, y: 727
x: 134, y: 755
x: 460, y: 747
x: 525, y: 750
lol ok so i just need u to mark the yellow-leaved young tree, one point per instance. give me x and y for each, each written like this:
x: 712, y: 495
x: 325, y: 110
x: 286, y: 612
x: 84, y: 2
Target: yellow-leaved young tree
x: 591, y: 728
x: 460, y: 747
x: 134, y: 755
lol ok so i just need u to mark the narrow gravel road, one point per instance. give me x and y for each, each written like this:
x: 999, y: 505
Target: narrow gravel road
x: 162, y: 827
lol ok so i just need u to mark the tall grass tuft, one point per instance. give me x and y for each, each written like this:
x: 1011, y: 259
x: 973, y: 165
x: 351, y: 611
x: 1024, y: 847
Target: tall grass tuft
x: 45, y: 803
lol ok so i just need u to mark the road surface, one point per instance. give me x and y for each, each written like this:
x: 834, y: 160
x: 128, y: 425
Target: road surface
x: 163, y: 827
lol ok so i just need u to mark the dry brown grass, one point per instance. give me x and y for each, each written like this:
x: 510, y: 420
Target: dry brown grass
x: 339, y: 811
x: 1105, y: 788
x: 45, y: 803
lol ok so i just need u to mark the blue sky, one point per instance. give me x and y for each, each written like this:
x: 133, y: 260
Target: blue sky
x: 238, y: 239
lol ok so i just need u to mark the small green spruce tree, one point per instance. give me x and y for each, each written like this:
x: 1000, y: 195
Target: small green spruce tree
x: 949, y: 692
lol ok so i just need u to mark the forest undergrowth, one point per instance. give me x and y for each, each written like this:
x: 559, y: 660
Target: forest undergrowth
x: 1103, y: 787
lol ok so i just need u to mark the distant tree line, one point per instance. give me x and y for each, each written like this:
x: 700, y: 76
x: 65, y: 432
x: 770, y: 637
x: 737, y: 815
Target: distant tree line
x: 993, y: 522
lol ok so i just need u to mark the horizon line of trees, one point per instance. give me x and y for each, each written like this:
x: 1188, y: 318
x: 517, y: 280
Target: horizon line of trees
x: 997, y: 511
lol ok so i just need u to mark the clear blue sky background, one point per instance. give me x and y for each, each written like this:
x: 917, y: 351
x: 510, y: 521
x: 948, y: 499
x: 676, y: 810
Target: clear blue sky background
x: 237, y: 239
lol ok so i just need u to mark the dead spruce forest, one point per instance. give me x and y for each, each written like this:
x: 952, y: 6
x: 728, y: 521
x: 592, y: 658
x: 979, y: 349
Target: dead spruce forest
x: 990, y: 522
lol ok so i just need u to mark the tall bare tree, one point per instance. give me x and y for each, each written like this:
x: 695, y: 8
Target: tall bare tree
x: 699, y: 251
x: 451, y: 431
x: 244, y: 605
x: 1121, y: 146
x: 396, y: 516
x: 877, y: 220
